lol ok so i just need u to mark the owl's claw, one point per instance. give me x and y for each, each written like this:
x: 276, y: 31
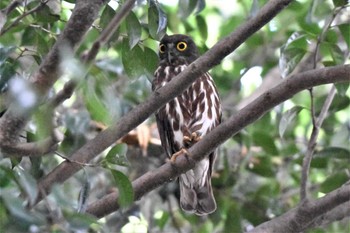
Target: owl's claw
x: 180, y: 152
x: 189, y: 141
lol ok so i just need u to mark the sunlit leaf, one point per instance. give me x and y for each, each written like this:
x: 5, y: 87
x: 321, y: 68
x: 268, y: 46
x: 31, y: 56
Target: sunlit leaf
x: 334, y: 181
x: 133, y: 28
x: 333, y: 152
x: 117, y: 155
x: 157, y: 20
x: 287, y: 118
x: 126, y: 192
x: 319, y: 9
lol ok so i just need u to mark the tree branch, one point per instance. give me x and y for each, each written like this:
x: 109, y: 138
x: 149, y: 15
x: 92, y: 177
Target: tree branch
x: 301, y: 217
x: 224, y: 131
x: 140, y: 113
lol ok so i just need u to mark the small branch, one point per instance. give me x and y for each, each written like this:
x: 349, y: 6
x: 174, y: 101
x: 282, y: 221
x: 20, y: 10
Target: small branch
x: 109, y: 30
x: 312, y: 143
x: 302, y: 217
x: 31, y: 149
x: 140, y: 113
x: 63, y: 95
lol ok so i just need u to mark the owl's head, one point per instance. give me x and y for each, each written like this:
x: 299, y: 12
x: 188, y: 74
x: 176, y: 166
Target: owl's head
x: 177, y: 49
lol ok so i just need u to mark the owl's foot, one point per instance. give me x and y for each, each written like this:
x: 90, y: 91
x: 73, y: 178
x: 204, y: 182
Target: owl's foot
x: 189, y: 141
x: 180, y: 152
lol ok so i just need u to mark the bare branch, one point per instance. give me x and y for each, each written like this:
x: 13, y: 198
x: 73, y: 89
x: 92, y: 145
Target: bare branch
x: 224, y: 131
x: 312, y: 143
x: 140, y: 113
x: 301, y: 217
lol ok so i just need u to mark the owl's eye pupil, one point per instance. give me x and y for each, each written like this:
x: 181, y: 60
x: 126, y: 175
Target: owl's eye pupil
x: 162, y: 48
x: 181, y: 46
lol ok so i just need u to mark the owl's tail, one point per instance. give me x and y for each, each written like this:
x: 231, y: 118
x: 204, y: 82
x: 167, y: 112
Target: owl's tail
x: 196, y: 194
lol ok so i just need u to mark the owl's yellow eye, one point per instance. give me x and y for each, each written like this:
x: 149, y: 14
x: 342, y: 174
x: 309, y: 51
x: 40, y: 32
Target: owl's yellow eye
x: 162, y: 48
x: 181, y: 46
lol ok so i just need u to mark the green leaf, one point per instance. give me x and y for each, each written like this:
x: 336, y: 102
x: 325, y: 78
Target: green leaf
x: 233, y: 224
x: 126, y: 192
x: 79, y: 221
x: 133, y: 60
x: 83, y: 196
x: 345, y: 31
x: 332, y: 51
x: 7, y: 71
x: 342, y: 88
x: 106, y: 16
x: 27, y: 183
x: 333, y: 152
x: 339, y: 3
x: 45, y: 15
x: 292, y: 53
x: 202, y: 26
x: 157, y: 20
x: 264, y: 140
x: 334, y: 181
x: 133, y: 28
x: 287, y: 118
x: 150, y: 62
x: 117, y: 155
x: 262, y: 166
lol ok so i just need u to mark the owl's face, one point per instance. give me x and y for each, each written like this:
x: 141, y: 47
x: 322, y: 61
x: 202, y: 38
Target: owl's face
x: 177, y: 49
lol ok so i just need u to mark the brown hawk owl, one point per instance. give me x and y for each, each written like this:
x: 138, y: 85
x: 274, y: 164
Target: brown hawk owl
x: 185, y: 119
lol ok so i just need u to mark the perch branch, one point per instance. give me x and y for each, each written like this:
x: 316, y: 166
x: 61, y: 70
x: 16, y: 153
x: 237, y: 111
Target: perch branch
x: 301, y: 217
x: 140, y: 113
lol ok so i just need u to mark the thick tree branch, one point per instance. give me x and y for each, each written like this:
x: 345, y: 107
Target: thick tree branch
x: 139, y: 114
x: 12, y: 123
x: 301, y: 217
x: 224, y: 131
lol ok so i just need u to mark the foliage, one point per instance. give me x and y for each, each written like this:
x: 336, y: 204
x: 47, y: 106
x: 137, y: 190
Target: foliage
x: 258, y: 172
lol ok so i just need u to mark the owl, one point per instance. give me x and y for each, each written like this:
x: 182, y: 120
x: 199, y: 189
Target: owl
x: 185, y: 119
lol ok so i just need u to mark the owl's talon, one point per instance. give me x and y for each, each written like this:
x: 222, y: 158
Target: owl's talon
x: 180, y: 152
x: 190, y: 140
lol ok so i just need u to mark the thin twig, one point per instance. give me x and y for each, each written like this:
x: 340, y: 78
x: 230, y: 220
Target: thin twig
x: 76, y: 162
x: 316, y: 123
x: 312, y: 143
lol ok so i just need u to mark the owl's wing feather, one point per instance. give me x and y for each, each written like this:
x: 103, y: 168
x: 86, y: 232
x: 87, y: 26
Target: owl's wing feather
x: 165, y: 131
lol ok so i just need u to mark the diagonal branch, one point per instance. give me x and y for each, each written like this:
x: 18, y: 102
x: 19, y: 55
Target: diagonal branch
x: 140, y: 113
x: 301, y: 217
x: 224, y: 131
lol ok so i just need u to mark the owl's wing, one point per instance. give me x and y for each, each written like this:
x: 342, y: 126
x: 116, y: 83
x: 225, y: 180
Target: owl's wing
x: 165, y: 131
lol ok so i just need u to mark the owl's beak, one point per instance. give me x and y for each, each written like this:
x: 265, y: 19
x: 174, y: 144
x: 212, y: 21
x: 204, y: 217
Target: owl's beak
x: 170, y: 56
